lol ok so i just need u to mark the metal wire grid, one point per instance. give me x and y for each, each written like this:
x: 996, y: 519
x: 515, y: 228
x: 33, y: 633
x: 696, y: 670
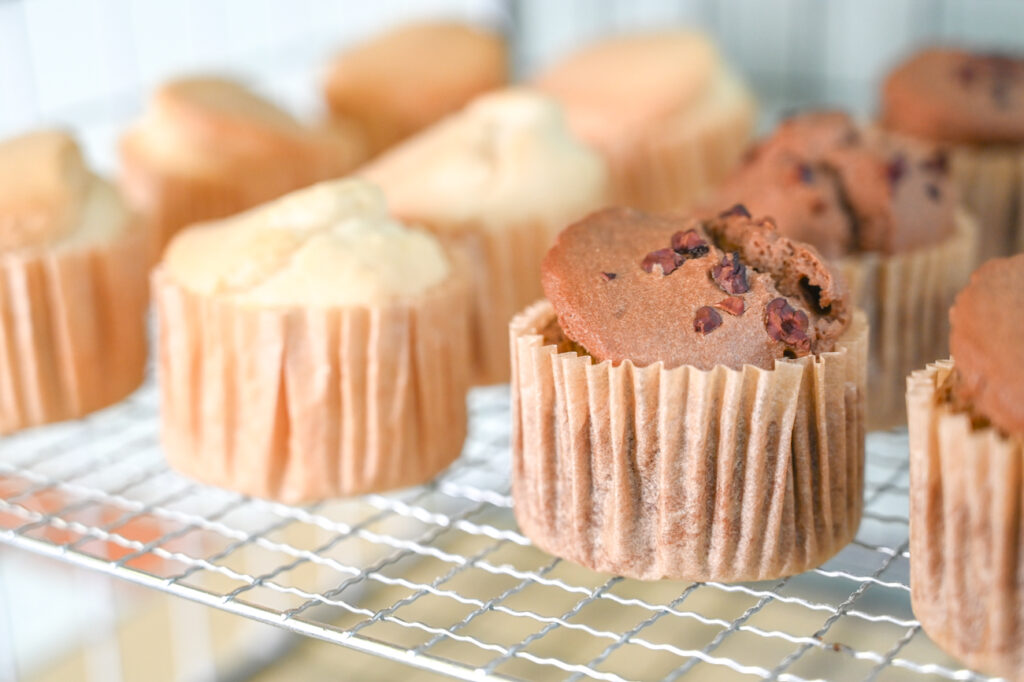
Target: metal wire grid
x: 439, y: 577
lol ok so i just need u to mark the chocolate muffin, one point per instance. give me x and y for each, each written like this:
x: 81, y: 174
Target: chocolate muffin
x: 885, y: 210
x: 966, y: 462
x: 972, y: 104
x: 688, y: 402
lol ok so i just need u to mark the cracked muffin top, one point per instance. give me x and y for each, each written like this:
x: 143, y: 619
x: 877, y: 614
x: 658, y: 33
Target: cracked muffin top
x: 331, y: 244
x: 730, y: 290
x: 843, y: 189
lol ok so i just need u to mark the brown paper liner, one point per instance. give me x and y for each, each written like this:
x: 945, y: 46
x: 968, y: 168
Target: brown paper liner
x: 676, y: 168
x: 72, y: 329
x: 171, y: 200
x: 991, y: 183
x: 302, y: 403
x: 505, y: 268
x: 966, y: 535
x: 907, y: 298
x: 651, y: 473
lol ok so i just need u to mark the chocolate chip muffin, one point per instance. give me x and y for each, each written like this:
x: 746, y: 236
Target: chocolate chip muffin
x: 688, y: 403
x: 885, y: 211
x: 973, y: 105
x: 966, y: 462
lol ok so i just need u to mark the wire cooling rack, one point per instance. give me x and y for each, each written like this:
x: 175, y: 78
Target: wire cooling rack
x: 439, y: 577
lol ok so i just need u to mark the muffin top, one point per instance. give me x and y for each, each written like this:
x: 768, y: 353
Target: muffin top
x: 409, y: 77
x: 957, y: 96
x: 331, y: 244
x: 50, y: 198
x: 505, y: 159
x: 985, y: 341
x: 843, y: 189
x: 211, y: 124
x: 725, y: 291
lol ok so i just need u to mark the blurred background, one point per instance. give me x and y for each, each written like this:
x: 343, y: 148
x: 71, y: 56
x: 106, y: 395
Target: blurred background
x: 88, y: 65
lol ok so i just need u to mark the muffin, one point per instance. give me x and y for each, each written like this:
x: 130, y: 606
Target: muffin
x: 500, y: 179
x: 410, y: 77
x: 668, y: 116
x: 973, y: 105
x: 207, y: 148
x: 72, y: 285
x: 688, y: 403
x: 966, y: 462
x: 312, y: 347
x: 886, y: 212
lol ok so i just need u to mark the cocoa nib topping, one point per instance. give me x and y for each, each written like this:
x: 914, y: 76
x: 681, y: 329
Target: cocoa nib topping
x: 608, y: 276
x: 736, y: 210
x: 731, y: 275
x: 690, y: 244
x: 896, y: 168
x: 665, y: 260
x: 732, y: 304
x: 787, y: 325
x: 706, y: 320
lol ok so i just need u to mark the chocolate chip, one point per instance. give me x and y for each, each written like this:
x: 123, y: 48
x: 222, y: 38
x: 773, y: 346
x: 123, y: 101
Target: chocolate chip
x: 706, y: 320
x: 786, y: 324
x: 736, y: 210
x: 732, y: 304
x: 731, y: 275
x: 690, y: 244
x: 608, y: 276
x: 806, y: 173
x: 933, y: 191
x: 966, y: 74
x: 818, y: 206
x: 937, y: 162
x: 896, y: 168
x: 665, y: 260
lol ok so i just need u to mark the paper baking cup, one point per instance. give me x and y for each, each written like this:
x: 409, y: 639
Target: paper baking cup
x: 991, y: 183
x: 966, y: 535
x: 907, y: 297
x: 302, y: 403
x: 682, y: 473
x: 505, y: 266
x: 72, y: 329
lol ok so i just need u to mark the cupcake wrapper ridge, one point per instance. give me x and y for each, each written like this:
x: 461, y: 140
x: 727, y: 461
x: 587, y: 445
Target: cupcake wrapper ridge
x: 651, y: 473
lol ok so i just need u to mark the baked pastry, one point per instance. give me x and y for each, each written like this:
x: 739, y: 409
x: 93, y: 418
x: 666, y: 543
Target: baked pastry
x: 410, y: 77
x: 73, y: 265
x: 312, y: 347
x: 973, y: 105
x: 688, y: 403
x: 500, y: 178
x: 209, y: 147
x: 668, y: 116
x: 886, y: 212
x: 966, y: 420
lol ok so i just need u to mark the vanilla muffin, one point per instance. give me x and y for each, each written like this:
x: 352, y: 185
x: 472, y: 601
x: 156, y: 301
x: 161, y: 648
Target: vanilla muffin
x: 668, y: 115
x: 410, y: 77
x: 208, y: 147
x: 688, y: 402
x: 312, y: 347
x: 966, y: 430
x: 500, y: 179
x: 72, y: 285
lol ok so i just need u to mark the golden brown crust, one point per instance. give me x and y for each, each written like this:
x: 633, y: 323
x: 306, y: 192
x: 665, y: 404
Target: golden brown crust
x: 408, y: 78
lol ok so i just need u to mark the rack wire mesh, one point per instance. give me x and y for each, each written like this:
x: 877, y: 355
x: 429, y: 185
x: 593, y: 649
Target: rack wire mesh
x: 438, y: 576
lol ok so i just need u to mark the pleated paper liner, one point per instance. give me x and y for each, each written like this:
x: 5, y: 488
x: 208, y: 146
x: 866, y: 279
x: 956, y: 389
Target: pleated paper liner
x: 966, y: 535
x: 300, y: 403
x: 505, y: 266
x: 907, y: 297
x: 679, y: 165
x: 651, y: 473
x: 990, y: 180
x: 72, y: 329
